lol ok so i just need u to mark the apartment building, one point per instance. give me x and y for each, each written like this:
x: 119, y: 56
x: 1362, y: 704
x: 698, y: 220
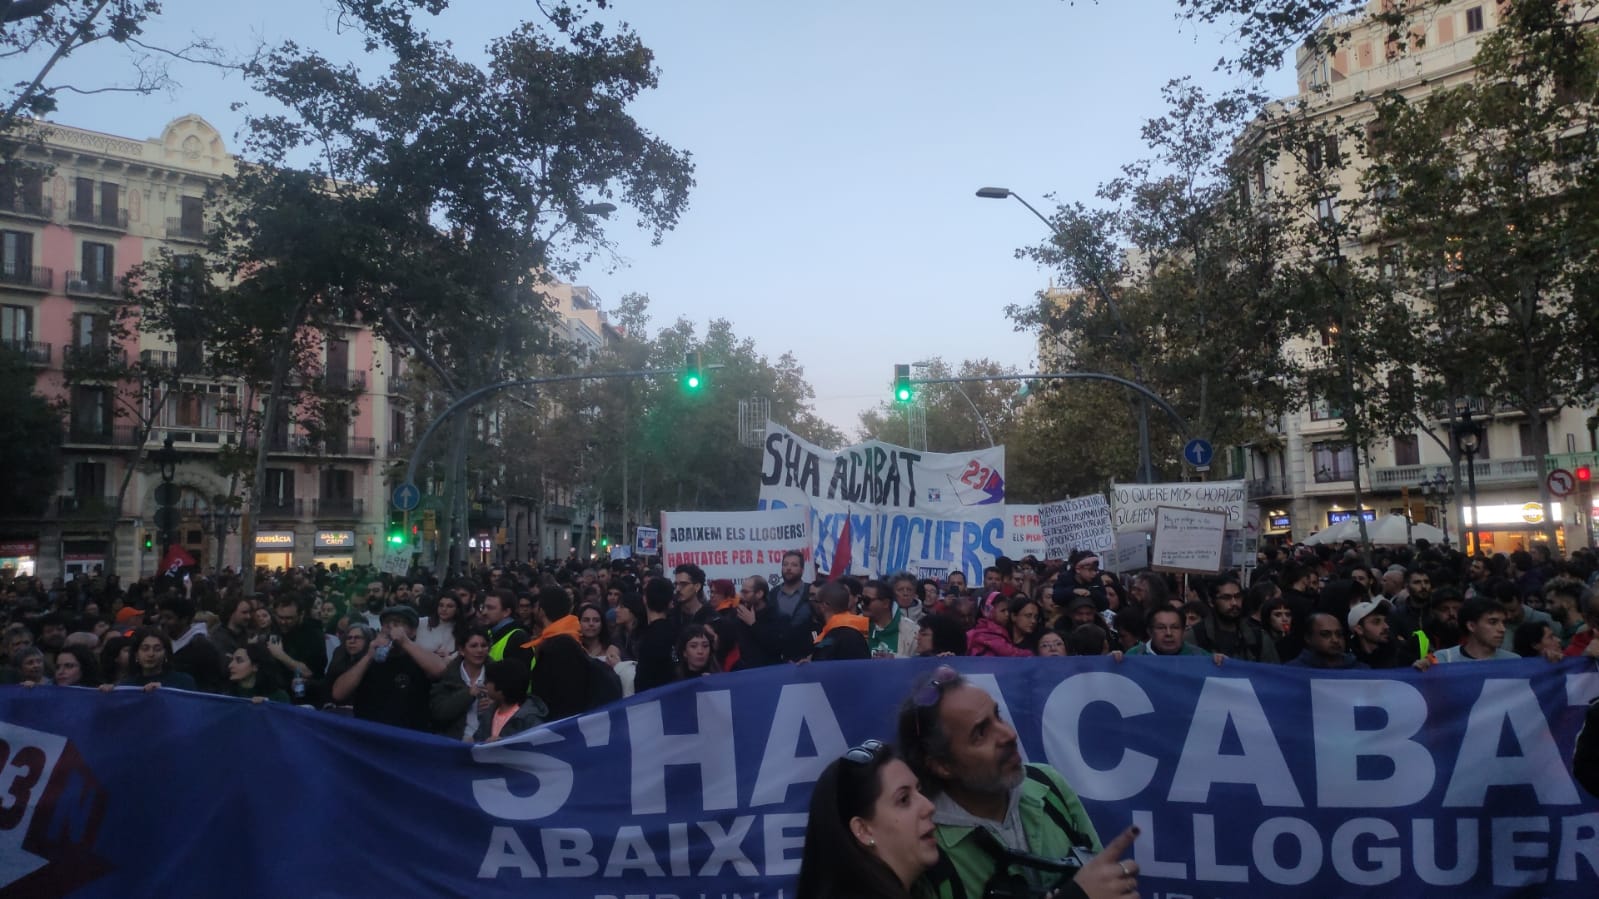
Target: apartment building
x: 1304, y: 483
x: 105, y: 204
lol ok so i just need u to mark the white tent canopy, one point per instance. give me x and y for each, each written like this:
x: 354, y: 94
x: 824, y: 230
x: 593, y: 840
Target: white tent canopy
x: 1390, y: 530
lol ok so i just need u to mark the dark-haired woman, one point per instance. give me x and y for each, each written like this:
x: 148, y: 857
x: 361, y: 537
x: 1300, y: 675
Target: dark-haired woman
x: 1024, y: 615
x: 870, y: 833
x: 76, y: 666
x: 592, y: 631
x: 459, y: 698
x: 151, y: 664
x: 695, y: 655
x: 253, y: 675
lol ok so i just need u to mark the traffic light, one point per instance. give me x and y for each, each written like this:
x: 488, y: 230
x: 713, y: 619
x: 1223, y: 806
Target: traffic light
x: 149, y: 541
x: 395, y: 535
x: 605, y: 542
x: 1584, y: 474
x: 903, y: 393
x: 693, y: 371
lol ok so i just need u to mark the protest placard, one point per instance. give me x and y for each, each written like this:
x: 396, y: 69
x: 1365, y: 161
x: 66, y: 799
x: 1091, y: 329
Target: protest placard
x: 1133, y: 505
x: 647, y: 541
x: 1024, y: 536
x: 1082, y: 522
x: 396, y: 560
x: 735, y: 545
x: 1131, y: 553
x: 1188, y: 540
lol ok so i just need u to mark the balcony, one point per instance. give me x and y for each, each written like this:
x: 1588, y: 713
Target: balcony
x: 344, y: 379
x: 555, y: 512
x: 179, y: 361
x: 304, y: 444
x: 400, y: 384
x: 93, y: 358
x: 281, y: 508
x: 82, y: 284
x: 32, y: 351
x: 178, y: 229
x: 86, y: 434
x: 97, y: 216
x: 1261, y: 488
x: 82, y: 507
x: 1515, y: 471
x: 28, y: 277
x: 37, y: 207
x: 194, y: 436
x: 339, y: 507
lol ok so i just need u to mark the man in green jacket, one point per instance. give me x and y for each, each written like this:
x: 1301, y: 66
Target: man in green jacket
x: 992, y: 811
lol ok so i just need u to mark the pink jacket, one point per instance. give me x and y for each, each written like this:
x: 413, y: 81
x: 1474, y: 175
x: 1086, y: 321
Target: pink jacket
x: 989, y: 639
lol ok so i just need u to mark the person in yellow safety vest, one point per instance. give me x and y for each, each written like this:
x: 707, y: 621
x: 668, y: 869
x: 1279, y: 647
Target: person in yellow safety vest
x: 506, y: 639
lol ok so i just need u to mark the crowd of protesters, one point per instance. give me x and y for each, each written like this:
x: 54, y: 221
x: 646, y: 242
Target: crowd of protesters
x: 484, y: 656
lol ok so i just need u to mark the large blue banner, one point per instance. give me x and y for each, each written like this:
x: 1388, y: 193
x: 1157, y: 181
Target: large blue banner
x: 1246, y: 780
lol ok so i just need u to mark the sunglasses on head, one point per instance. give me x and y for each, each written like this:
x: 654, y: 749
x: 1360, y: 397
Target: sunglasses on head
x: 866, y: 753
x: 929, y: 693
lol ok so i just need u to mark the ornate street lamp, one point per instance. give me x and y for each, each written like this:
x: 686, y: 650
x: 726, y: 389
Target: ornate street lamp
x: 1468, y: 440
x: 1438, y: 487
x: 220, y: 520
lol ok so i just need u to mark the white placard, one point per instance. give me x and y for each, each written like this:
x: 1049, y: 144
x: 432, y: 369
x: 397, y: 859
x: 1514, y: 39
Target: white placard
x: 1131, y: 553
x: 1133, y: 505
x: 735, y: 545
x: 396, y: 561
x: 1082, y: 522
x: 1024, y: 535
x: 1189, y: 540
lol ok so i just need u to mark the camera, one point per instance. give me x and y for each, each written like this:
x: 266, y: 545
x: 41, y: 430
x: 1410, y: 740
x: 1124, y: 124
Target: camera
x: 1008, y: 883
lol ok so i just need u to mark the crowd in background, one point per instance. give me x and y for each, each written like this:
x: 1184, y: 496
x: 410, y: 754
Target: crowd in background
x: 485, y: 655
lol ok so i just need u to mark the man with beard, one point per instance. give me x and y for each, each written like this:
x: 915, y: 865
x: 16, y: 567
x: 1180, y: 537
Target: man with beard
x: 987, y: 803
x: 1482, y: 624
x: 1373, y: 641
x: 1410, y: 607
x: 1227, y: 631
x: 1440, y: 627
x: 792, y: 596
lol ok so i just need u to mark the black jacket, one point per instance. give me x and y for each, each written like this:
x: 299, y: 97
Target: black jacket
x: 656, y: 641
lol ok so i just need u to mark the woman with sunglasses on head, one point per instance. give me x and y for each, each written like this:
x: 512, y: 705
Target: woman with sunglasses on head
x: 870, y: 831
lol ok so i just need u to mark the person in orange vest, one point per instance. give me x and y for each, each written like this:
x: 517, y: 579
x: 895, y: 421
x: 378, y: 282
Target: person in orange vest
x: 553, y: 612
x: 843, y: 634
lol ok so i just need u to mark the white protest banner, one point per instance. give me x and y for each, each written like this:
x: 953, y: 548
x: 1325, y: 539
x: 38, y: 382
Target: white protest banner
x: 647, y: 541
x: 734, y: 545
x: 1131, y: 553
x: 1188, y: 540
x: 1023, y: 535
x: 1133, y: 505
x: 396, y: 560
x: 901, y: 504
x: 1082, y: 522
x: 621, y: 552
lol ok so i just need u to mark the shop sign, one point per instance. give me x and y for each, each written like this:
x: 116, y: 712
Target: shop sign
x: 12, y: 549
x: 274, y: 540
x: 335, y: 539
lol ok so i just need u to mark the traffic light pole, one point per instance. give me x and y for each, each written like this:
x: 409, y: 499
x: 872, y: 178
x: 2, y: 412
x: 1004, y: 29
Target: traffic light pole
x: 1143, y: 434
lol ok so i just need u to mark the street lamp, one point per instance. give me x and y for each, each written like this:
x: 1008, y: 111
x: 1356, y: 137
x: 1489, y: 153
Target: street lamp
x: 1468, y: 440
x: 220, y: 520
x: 166, y: 494
x: 1145, y: 462
x: 1438, y: 487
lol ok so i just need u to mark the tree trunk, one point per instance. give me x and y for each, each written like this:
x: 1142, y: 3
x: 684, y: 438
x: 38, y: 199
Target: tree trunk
x: 269, y: 419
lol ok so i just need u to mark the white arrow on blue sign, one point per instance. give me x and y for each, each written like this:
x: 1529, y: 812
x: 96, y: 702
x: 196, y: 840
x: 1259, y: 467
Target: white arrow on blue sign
x: 1198, y: 452
x: 406, y: 497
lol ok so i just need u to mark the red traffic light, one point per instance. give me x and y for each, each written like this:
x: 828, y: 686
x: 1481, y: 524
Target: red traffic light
x: 1584, y: 473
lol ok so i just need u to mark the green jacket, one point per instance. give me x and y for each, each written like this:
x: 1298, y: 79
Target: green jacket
x: 1052, y: 817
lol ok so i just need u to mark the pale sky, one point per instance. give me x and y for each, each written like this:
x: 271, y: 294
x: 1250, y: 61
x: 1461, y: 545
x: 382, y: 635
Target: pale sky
x: 838, y: 145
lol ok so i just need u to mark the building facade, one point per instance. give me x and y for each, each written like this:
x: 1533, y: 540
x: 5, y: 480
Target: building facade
x: 103, y: 205
x: 1304, y: 483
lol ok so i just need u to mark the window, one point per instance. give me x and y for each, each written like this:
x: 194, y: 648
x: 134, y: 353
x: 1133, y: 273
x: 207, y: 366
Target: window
x: 22, y: 189
x: 99, y: 265
x: 110, y: 203
x: 1390, y: 262
x: 83, y: 199
x: 91, y: 412
x: 16, y: 326
x: 1407, y: 449
x: 191, y: 218
x: 88, y: 481
x: 16, y: 256
x: 1327, y: 211
x: 1322, y: 153
x: 91, y: 331
x: 1526, y: 436
x: 1332, y: 462
x: 278, y: 493
x: 338, y: 485
x: 1474, y: 20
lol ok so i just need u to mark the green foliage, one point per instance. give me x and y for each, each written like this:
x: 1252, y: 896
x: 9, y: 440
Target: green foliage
x: 959, y: 416
x: 1176, y: 284
x: 1267, y: 30
x: 30, y: 440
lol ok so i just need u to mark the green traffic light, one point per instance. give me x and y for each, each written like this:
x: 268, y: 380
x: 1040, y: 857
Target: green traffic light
x: 397, y: 538
x: 904, y: 394
x: 693, y: 382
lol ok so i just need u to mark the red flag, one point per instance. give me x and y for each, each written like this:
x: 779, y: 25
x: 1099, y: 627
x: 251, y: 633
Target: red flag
x: 841, y: 553
x: 177, y: 557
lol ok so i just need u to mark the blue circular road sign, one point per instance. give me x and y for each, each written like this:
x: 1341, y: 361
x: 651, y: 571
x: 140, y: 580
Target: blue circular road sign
x: 406, y: 497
